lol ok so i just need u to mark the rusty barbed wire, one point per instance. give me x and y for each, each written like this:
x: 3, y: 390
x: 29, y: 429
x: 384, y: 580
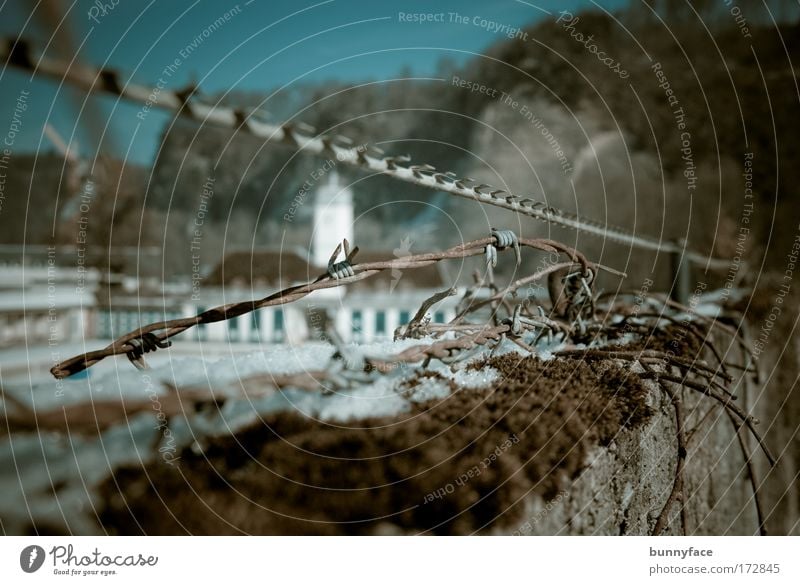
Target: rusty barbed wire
x: 664, y: 302
x: 657, y: 366
x: 301, y: 137
x: 695, y: 374
x: 134, y: 343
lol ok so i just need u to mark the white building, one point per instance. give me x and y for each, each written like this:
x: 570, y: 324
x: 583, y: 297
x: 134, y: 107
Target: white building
x: 333, y: 218
x: 43, y: 309
x: 364, y: 311
x: 42, y: 304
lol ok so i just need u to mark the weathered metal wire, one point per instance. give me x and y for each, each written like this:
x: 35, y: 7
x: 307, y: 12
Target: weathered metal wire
x: 19, y: 53
x: 163, y: 330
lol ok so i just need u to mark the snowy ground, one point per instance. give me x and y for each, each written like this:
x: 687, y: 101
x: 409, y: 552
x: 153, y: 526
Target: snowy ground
x: 34, y: 462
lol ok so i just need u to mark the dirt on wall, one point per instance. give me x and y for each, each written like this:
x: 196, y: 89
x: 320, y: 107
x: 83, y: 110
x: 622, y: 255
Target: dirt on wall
x: 458, y: 465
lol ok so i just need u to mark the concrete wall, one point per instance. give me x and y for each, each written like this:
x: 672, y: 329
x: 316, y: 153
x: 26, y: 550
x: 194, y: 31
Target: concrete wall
x: 625, y: 486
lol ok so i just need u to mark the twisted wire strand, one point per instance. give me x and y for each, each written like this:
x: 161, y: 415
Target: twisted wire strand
x: 173, y: 327
x: 184, y: 102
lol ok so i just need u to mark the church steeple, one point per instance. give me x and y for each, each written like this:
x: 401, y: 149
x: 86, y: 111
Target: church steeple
x: 333, y: 218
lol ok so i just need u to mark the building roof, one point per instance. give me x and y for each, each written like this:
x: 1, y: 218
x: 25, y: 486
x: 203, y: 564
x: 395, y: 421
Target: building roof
x: 275, y: 268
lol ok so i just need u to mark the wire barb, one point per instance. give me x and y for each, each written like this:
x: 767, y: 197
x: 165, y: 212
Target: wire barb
x: 343, y: 269
x: 506, y: 238
x: 145, y: 344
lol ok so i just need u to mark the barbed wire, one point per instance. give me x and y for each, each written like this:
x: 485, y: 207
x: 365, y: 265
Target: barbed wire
x: 301, y: 137
x: 145, y: 338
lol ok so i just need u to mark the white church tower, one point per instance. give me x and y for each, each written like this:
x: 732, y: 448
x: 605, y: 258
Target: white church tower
x: 333, y: 219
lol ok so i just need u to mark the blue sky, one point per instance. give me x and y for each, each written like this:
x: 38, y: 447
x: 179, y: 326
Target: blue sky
x: 265, y: 44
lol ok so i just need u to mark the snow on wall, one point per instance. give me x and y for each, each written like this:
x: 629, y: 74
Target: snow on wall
x: 33, y: 463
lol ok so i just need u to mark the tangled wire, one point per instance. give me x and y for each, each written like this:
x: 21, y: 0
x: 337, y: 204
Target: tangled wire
x: 576, y: 324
